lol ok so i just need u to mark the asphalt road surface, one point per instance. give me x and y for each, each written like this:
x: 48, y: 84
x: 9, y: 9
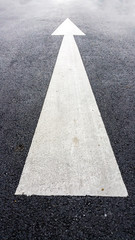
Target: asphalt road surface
x: 28, y: 53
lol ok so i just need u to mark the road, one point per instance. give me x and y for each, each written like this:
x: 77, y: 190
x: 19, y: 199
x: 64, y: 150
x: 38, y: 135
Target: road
x: 28, y: 54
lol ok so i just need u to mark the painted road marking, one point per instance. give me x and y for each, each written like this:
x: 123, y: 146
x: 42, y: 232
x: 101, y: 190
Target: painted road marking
x: 70, y: 152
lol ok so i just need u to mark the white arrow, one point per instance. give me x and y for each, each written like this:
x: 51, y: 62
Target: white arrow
x: 70, y: 152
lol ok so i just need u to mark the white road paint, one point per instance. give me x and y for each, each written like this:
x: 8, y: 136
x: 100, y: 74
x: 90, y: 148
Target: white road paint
x: 68, y: 28
x: 70, y: 152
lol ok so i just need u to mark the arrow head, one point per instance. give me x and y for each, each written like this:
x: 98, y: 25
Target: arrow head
x: 68, y: 28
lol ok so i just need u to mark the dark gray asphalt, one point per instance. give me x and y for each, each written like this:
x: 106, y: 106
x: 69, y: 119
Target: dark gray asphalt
x: 28, y: 54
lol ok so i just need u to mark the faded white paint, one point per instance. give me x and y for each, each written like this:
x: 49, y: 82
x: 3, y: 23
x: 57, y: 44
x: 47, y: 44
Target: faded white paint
x: 70, y: 152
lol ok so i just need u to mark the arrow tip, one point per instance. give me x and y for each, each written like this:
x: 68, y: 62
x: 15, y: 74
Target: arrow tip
x: 68, y: 28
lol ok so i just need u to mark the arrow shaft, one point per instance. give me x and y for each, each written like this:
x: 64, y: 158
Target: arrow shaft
x: 70, y: 152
